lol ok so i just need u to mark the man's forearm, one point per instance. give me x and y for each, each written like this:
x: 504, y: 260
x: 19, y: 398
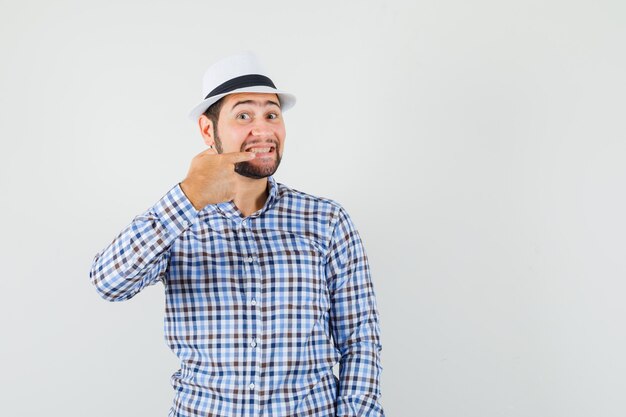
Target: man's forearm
x: 138, y: 256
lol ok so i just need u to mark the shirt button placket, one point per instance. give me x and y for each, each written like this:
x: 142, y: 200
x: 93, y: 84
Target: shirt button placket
x: 252, y: 289
x: 254, y: 319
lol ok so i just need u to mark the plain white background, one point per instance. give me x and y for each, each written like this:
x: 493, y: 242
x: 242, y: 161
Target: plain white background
x: 479, y: 146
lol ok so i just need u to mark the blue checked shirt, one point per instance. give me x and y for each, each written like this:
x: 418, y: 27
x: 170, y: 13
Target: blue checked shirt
x: 259, y: 308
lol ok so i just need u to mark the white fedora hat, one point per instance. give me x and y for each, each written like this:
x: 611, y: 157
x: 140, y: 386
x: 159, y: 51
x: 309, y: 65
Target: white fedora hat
x: 241, y: 73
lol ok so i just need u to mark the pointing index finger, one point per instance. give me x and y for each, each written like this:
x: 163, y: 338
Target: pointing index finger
x: 239, y: 156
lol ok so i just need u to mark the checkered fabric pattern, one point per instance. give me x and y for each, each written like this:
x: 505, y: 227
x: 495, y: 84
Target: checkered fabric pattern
x: 259, y: 308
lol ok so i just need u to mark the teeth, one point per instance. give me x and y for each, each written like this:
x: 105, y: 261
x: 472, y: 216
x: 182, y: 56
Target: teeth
x: 260, y: 150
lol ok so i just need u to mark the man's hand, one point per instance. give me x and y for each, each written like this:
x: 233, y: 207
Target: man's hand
x: 211, y: 177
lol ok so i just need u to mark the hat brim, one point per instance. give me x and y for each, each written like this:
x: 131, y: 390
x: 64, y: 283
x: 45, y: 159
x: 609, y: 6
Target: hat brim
x: 287, y: 100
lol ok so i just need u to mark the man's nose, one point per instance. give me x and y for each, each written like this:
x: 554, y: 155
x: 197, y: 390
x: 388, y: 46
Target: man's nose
x: 261, y: 129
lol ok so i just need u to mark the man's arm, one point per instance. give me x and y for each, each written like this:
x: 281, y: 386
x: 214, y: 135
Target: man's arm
x: 354, y: 322
x: 139, y: 255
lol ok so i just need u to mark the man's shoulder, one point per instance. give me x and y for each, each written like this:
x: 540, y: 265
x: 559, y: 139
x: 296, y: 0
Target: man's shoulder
x: 291, y: 195
x: 322, y: 214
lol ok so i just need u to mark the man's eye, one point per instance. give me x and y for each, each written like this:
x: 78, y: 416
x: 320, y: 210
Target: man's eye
x: 243, y: 116
x: 272, y: 116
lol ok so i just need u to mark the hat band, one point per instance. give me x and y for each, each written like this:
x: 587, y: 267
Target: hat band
x: 241, y: 82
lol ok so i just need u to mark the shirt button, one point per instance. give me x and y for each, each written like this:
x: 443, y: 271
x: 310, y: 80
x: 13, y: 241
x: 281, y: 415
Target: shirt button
x: 253, y: 302
x: 250, y: 259
x: 253, y: 344
x: 252, y: 385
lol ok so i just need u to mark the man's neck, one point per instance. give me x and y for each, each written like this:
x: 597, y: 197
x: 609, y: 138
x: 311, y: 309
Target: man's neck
x: 251, y: 195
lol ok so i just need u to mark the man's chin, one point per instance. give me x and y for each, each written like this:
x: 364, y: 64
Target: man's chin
x: 249, y: 170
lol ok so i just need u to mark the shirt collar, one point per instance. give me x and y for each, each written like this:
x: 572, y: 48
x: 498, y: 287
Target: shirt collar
x: 229, y: 208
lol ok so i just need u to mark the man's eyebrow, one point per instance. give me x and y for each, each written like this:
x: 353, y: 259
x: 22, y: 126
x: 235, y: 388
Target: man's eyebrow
x: 258, y: 103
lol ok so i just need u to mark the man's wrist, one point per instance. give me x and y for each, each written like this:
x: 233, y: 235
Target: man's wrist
x: 187, y: 192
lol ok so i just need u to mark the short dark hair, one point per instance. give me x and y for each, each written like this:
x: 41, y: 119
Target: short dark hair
x: 213, y: 113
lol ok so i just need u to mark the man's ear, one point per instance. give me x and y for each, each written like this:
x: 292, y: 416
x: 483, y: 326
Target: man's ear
x: 206, y: 130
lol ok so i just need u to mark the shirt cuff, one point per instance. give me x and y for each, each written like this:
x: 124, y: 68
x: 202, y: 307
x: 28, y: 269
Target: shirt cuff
x: 359, y: 406
x: 175, y: 211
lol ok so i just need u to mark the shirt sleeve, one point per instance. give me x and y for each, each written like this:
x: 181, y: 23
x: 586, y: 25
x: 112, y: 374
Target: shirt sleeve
x: 354, y: 322
x: 139, y: 255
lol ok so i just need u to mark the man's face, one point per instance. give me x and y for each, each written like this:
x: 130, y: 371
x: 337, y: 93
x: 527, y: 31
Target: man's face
x: 252, y: 122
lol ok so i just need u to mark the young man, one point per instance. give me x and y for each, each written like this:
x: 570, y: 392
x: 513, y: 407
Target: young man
x: 267, y: 287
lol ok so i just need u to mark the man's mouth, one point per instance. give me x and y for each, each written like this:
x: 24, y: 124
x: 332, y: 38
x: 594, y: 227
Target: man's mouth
x: 262, y: 151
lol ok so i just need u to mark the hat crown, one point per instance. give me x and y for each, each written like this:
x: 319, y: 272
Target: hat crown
x: 230, y: 67
x: 239, y: 73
